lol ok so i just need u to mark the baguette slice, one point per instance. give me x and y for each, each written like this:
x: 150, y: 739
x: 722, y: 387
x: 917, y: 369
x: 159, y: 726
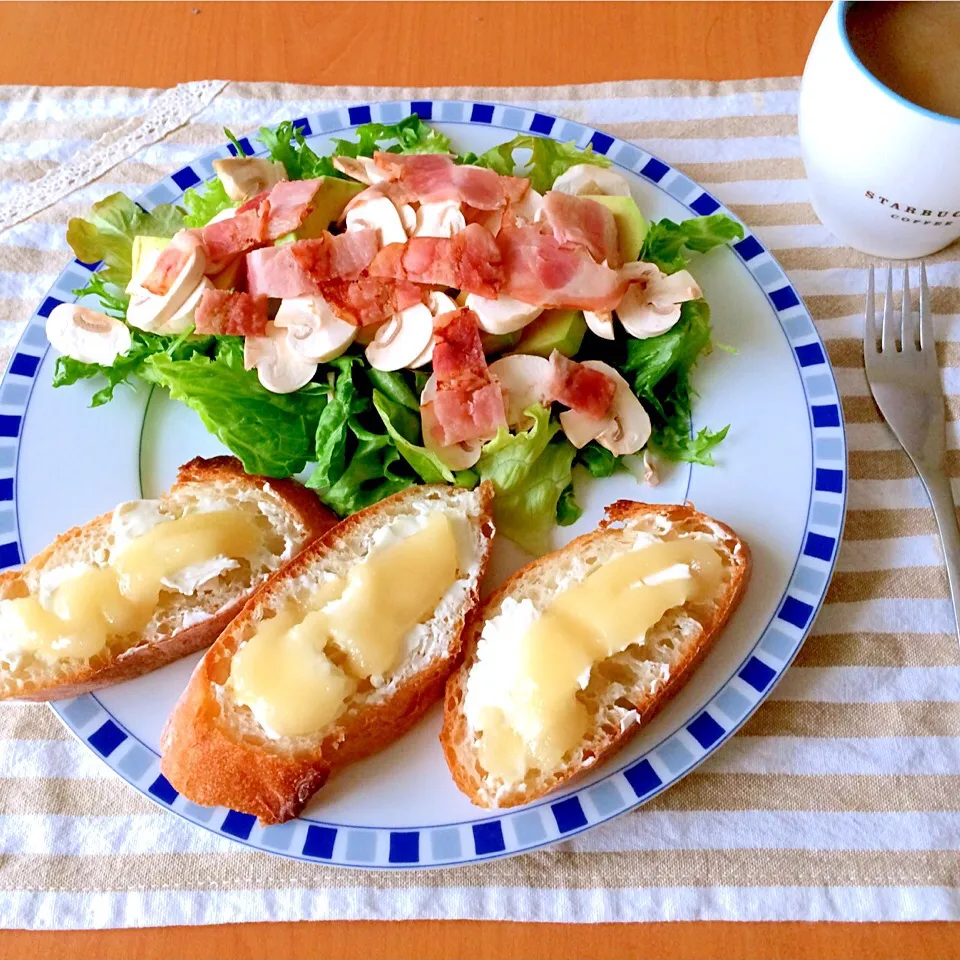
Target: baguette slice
x: 627, y: 689
x: 216, y: 753
x: 182, y: 624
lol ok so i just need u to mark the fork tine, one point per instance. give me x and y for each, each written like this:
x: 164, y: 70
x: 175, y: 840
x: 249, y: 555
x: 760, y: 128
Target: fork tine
x: 869, y: 318
x: 927, y: 341
x: 888, y: 339
x: 908, y: 326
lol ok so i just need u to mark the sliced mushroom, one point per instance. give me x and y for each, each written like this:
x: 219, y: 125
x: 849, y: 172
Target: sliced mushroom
x: 360, y: 168
x: 438, y: 303
x: 625, y: 429
x: 148, y: 311
x: 279, y: 367
x: 380, y: 214
x: 649, y: 309
x: 443, y: 219
x: 639, y: 271
x: 185, y: 316
x: 584, y: 178
x: 503, y: 315
x: 524, y: 380
x: 314, y: 331
x: 245, y: 177
x: 601, y: 323
x: 227, y: 213
x: 401, y: 340
x: 456, y: 456
x: 87, y: 335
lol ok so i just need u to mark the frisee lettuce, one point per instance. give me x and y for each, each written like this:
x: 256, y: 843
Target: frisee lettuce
x: 665, y: 240
x: 659, y: 369
x: 530, y: 471
x: 203, y: 205
x: 548, y: 159
x: 410, y: 135
x: 107, y: 234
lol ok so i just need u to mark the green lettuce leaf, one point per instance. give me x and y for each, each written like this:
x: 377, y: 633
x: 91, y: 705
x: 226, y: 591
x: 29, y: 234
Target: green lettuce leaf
x: 203, y: 207
x: 666, y: 240
x: 272, y: 434
x: 370, y: 474
x: 425, y: 463
x: 108, y: 233
x: 332, y: 433
x: 529, y: 473
x: 287, y: 145
x: 548, y: 159
x: 598, y: 460
x: 568, y: 510
x: 237, y: 145
x: 410, y: 135
x: 68, y: 371
x: 659, y: 369
x: 113, y: 299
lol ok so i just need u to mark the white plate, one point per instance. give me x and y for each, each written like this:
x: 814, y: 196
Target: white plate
x: 780, y: 483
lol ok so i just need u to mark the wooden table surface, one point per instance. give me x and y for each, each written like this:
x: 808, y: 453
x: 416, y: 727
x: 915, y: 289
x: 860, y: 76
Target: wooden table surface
x: 420, y: 44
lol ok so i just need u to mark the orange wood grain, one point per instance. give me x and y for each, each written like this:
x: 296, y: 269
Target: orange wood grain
x: 413, y: 43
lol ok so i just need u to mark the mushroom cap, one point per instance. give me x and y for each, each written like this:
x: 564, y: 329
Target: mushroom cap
x: 625, y: 430
x: 526, y: 209
x: 379, y: 213
x: 401, y: 340
x: 87, y: 335
x: 503, y: 315
x: 279, y: 367
x: 148, y: 311
x: 600, y: 323
x: 524, y: 380
x: 184, y: 317
x: 441, y: 219
x: 314, y: 331
x: 456, y: 456
x: 245, y: 177
x: 651, y: 308
x: 584, y: 178
x: 363, y: 169
x: 438, y: 303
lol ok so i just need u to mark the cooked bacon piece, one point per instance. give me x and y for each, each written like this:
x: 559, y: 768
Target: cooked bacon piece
x: 274, y: 272
x: 468, y: 404
x: 431, y: 177
x: 542, y: 272
x: 580, y: 388
x: 581, y: 222
x: 231, y: 314
x: 469, y: 261
x: 291, y: 202
x: 173, y: 258
x: 369, y: 300
x: 341, y: 257
x: 227, y: 239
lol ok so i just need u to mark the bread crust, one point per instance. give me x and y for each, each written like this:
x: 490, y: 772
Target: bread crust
x: 455, y: 732
x: 144, y: 658
x: 209, y: 764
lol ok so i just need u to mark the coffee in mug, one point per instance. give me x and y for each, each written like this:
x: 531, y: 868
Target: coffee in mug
x: 880, y: 126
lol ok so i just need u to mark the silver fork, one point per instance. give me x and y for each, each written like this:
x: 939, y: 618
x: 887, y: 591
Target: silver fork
x: 906, y: 385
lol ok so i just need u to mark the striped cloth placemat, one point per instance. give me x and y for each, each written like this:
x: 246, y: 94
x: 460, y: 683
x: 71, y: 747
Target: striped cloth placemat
x: 838, y: 800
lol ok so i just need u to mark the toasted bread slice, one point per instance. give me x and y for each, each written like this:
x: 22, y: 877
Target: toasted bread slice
x: 291, y: 517
x: 625, y: 690
x: 213, y: 749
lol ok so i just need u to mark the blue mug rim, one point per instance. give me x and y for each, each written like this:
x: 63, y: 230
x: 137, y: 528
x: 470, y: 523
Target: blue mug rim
x: 842, y: 9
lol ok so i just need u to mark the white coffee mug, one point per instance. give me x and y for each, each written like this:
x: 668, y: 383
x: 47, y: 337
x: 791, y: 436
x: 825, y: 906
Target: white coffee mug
x: 884, y: 174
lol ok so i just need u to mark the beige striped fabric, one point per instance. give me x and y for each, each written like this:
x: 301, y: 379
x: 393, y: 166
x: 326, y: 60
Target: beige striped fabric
x: 841, y: 797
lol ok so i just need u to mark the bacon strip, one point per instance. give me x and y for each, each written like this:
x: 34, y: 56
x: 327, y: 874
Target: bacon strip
x: 541, y: 271
x: 330, y: 257
x: 431, y: 177
x: 581, y: 222
x: 581, y: 388
x: 227, y: 239
x: 273, y: 272
x: 369, y: 300
x: 469, y: 261
x: 224, y: 313
x: 468, y: 405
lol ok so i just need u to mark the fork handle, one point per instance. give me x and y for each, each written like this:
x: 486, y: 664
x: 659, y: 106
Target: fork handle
x: 944, y: 509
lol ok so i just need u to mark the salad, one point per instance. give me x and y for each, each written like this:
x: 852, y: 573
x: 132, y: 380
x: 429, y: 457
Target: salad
x: 396, y: 313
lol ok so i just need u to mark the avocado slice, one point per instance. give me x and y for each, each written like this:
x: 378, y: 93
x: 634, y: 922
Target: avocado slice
x: 560, y: 330
x: 332, y: 196
x: 143, y: 245
x: 631, y: 224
